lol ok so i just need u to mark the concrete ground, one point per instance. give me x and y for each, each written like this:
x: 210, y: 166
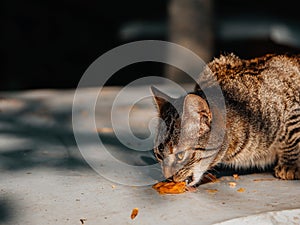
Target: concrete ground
x: 45, y: 179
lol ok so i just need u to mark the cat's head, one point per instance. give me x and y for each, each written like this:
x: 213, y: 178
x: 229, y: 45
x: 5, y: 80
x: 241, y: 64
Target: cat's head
x: 182, y: 135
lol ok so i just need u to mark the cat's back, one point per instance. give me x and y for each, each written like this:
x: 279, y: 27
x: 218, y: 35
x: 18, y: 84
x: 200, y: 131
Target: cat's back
x: 230, y: 68
x: 261, y: 95
x: 258, y: 78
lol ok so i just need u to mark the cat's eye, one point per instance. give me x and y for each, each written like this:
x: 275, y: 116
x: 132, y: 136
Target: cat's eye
x: 180, y: 155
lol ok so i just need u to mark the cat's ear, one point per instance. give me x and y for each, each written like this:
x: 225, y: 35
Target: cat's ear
x: 159, y: 97
x: 196, y: 116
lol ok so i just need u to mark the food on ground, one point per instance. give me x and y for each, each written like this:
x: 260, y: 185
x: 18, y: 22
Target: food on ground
x: 236, y: 176
x: 170, y: 187
x: 241, y: 190
x: 212, y: 191
x: 232, y: 184
x: 134, y: 213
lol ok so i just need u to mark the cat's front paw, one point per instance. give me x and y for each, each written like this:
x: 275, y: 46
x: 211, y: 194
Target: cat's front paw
x: 287, y: 172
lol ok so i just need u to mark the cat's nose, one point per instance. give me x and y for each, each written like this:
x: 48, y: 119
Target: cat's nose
x: 168, y: 172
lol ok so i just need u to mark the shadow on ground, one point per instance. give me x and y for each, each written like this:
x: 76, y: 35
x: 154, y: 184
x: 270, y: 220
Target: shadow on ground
x: 35, y: 135
x: 7, y: 215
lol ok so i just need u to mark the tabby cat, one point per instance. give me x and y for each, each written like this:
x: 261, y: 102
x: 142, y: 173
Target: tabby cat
x: 262, y: 128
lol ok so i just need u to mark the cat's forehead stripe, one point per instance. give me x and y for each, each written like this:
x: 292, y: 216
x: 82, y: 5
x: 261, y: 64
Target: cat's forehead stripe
x: 171, y: 149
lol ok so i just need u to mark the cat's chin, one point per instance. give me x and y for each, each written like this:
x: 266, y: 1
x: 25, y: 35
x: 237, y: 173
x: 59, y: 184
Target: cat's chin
x: 195, y: 179
x: 187, y: 179
x: 190, y: 182
x: 193, y: 183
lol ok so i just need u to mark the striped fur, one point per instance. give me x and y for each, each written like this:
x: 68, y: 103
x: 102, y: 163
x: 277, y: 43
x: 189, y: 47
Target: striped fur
x: 262, y: 99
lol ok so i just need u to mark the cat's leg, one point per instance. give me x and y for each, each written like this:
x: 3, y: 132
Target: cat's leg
x: 288, y: 165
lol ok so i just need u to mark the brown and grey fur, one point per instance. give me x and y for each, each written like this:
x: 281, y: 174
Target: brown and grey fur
x: 262, y: 98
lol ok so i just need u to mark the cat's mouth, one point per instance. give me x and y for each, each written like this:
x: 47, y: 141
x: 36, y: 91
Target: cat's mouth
x: 191, y: 180
x: 188, y: 180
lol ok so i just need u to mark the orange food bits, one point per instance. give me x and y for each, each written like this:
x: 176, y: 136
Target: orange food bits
x: 236, y: 176
x: 212, y: 191
x: 241, y: 190
x: 170, y: 187
x: 134, y: 213
x: 232, y: 184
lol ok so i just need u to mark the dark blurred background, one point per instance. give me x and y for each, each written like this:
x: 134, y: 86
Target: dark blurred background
x: 49, y: 44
